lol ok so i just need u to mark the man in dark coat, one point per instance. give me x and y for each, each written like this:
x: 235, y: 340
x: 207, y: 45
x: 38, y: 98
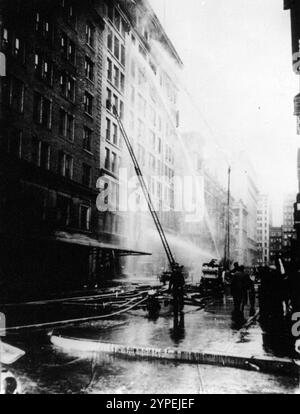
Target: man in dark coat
x: 176, y: 287
x: 239, y: 290
x: 230, y: 274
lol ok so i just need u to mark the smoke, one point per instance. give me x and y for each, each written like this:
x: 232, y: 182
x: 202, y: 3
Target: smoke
x: 146, y: 241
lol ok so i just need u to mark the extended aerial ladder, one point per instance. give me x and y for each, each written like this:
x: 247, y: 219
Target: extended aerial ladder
x: 145, y: 191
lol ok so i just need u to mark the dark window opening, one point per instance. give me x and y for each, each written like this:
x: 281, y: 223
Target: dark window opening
x: 86, y: 175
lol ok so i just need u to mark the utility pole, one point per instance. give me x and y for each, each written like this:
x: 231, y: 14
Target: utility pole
x: 227, y: 238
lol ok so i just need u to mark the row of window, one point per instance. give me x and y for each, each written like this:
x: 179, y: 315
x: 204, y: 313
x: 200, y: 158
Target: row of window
x: 262, y: 244
x: 41, y: 156
x: 67, y: 129
x: 45, y: 28
x: 112, y: 161
x: 112, y: 132
x: 260, y: 224
x: 116, y: 47
x: 115, y: 76
x: 67, y: 47
x: 44, y: 69
x: 144, y: 108
x: 112, y: 101
x: 66, y: 213
x: 142, y: 51
x: 16, y: 44
x: 156, y: 166
x: 68, y: 11
x: 42, y: 107
x: 260, y: 232
x: 42, y: 111
x: 155, y: 142
x: 14, y: 94
x: 116, y: 19
x: 137, y: 73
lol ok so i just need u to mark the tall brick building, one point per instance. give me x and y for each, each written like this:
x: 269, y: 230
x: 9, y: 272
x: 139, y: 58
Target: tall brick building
x: 264, y: 222
x: 275, y: 243
x: 68, y: 62
x: 139, y: 80
x: 51, y: 233
x: 288, y: 230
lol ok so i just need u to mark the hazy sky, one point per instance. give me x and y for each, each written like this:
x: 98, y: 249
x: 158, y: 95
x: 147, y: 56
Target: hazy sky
x: 237, y: 57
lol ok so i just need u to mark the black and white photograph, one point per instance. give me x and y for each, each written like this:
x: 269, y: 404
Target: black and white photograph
x: 150, y: 199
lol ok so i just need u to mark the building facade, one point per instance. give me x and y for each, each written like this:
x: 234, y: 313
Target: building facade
x: 241, y: 232
x: 67, y: 64
x: 264, y: 222
x: 50, y: 126
x: 245, y: 186
x: 288, y: 230
x: 141, y: 71
x: 275, y: 244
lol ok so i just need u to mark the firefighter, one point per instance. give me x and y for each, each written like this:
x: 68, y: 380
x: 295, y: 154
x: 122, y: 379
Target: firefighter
x: 176, y: 287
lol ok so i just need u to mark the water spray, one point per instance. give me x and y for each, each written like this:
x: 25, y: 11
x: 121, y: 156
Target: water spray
x: 146, y: 192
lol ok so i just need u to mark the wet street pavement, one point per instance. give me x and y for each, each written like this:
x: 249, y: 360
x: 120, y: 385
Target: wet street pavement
x: 47, y: 369
x: 210, y: 329
x: 53, y: 371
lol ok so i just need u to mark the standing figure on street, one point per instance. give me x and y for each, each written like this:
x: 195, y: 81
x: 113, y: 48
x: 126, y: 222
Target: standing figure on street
x: 239, y: 291
x: 176, y: 287
x: 231, y: 273
x: 252, y: 293
x: 281, y: 269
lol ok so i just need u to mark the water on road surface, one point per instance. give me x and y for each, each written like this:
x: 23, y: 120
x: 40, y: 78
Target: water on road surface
x: 46, y: 369
x: 50, y: 371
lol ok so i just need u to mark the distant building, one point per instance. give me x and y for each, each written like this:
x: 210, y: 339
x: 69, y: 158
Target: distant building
x: 245, y: 186
x: 264, y: 222
x: 275, y: 243
x: 241, y: 233
x: 288, y: 230
x: 209, y: 232
x: 282, y: 239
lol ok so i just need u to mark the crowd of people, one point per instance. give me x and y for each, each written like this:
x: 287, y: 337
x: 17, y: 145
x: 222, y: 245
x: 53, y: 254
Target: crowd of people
x: 278, y: 289
x: 278, y: 293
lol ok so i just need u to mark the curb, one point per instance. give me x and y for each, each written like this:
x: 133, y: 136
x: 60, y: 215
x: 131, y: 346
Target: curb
x: 266, y: 364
